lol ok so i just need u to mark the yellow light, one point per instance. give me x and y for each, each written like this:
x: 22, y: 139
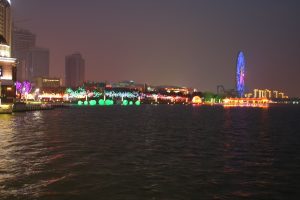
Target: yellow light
x: 196, y: 100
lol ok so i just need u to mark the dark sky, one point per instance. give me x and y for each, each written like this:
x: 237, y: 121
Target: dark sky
x: 180, y: 42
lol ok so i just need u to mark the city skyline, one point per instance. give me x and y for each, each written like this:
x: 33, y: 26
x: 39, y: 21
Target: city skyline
x: 191, y: 43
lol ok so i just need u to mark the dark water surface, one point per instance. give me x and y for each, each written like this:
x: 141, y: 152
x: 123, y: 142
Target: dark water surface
x: 151, y: 153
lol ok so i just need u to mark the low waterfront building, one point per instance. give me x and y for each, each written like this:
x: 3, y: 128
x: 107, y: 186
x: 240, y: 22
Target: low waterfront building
x: 175, y: 90
x: 7, y: 79
x: 267, y: 93
x: 131, y: 85
x: 44, y: 82
x: 246, y: 102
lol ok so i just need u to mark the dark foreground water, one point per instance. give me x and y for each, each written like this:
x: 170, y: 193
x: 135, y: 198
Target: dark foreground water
x: 151, y: 153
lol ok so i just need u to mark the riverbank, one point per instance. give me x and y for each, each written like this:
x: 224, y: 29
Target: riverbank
x: 6, y: 109
x: 25, y: 107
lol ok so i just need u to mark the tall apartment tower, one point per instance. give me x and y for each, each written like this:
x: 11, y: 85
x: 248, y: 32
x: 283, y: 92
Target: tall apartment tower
x: 7, y: 63
x: 37, y: 64
x: 23, y: 42
x: 74, y: 70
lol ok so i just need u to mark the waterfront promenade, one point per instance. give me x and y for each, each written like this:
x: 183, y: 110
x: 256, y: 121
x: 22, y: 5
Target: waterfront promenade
x: 24, y: 107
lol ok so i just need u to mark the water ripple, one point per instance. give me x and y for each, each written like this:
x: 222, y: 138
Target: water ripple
x: 151, y: 152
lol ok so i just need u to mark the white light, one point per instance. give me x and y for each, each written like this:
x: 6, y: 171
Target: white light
x: 8, y: 1
x: 8, y: 60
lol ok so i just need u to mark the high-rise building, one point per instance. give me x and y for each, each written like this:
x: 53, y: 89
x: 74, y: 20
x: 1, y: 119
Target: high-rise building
x: 5, y: 20
x: 37, y: 63
x: 32, y: 62
x: 23, y: 41
x: 7, y: 64
x: 74, y: 70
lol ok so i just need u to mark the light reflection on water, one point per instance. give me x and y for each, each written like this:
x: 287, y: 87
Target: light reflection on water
x: 6, y: 160
x: 150, y: 152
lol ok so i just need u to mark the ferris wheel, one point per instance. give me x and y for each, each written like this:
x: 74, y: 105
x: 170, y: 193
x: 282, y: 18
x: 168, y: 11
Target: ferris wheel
x: 240, y: 74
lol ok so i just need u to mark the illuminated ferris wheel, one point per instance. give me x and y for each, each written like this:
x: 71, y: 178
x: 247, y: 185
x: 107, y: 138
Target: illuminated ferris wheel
x: 240, y: 74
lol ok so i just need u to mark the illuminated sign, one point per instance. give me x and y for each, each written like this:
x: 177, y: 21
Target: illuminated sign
x: 8, y: 1
x: 1, y: 71
x: 50, y: 80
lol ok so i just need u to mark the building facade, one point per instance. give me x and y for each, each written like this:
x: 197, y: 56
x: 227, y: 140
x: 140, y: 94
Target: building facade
x: 23, y: 41
x: 37, y: 64
x: 74, y: 70
x: 5, y: 20
x: 43, y: 82
x: 267, y: 93
x: 32, y: 61
x: 7, y: 63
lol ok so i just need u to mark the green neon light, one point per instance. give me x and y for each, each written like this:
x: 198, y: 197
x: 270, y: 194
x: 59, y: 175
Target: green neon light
x: 80, y: 103
x: 93, y: 102
x: 130, y: 103
x: 109, y: 102
x: 86, y: 103
x: 101, y: 102
x: 137, y: 103
x: 125, y: 102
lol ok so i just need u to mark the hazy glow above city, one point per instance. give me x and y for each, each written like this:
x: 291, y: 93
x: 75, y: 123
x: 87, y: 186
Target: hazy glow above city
x: 187, y: 43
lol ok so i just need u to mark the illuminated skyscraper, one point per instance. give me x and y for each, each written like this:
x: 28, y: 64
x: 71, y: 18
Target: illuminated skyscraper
x: 74, y: 70
x: 7, y: 64
x: 5, y: 21
x: 240, y: 74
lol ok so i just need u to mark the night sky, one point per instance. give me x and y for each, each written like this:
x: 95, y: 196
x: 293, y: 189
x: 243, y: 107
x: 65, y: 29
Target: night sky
x: 190, y: 43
